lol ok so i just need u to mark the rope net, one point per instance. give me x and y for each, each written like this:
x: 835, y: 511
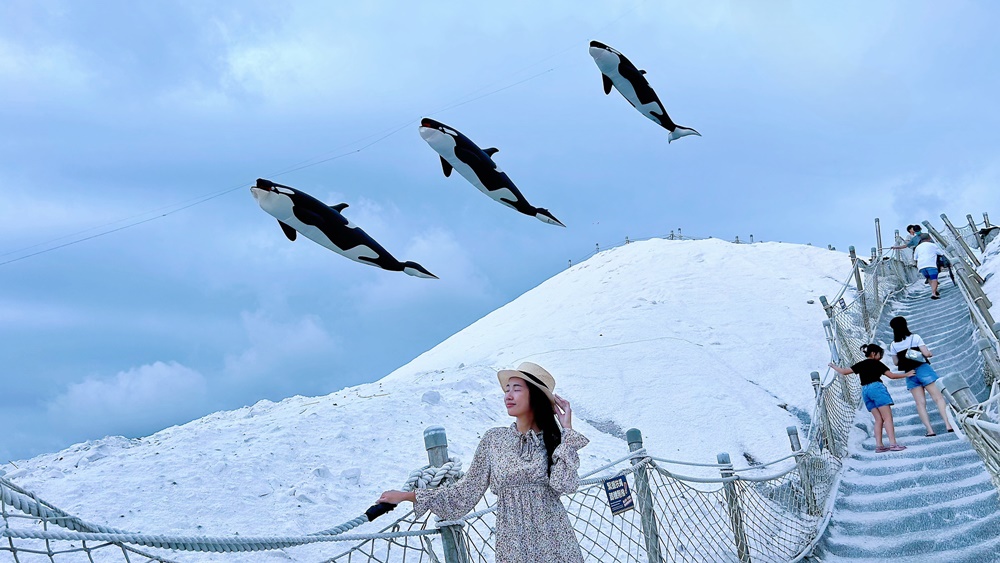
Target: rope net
x: 734, y: 515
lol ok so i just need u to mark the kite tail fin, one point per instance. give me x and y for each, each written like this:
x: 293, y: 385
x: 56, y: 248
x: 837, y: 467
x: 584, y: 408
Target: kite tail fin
x: 681, y: 131
x: 416, y: 270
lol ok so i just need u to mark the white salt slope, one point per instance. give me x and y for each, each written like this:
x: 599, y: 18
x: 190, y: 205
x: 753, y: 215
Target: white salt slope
x: 706, y: 346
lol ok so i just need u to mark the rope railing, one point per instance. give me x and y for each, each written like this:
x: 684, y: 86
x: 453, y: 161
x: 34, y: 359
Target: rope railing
x: 773, y: 511
x: 979, y: 419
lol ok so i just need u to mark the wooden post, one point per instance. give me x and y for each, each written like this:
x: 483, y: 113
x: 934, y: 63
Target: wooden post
x: 976, y: 293
x: 875, y: 275
x: 735, y: 508
x: 989, y: 357
x: 831, y: 340
x: 958, y: 390
x: 826, y: 306
x: 803, y: 469
x: 961, y: 241
x: 452, y: 538
x: 861, y: 289
x: 975, y: 233
x: 824, y: 417
x: 650, y: 530
x: 878, y: 235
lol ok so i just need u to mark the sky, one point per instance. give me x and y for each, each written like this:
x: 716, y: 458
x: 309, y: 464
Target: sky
x: 143, y: 125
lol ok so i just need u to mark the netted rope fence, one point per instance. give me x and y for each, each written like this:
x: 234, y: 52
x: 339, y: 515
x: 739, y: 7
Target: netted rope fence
x: 770, y: 512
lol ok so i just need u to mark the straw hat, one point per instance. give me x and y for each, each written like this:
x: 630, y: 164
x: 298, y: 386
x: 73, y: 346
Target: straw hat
x: 532, y: 373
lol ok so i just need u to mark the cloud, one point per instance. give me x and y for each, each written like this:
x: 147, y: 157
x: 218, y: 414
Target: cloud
x: 442, y: 254
x: 133, y: 402
x: 279, y: 350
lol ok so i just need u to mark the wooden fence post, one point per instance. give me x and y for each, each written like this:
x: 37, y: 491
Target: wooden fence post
x: 650, y: 531
x: 452, y: 538
x: 735, y: 508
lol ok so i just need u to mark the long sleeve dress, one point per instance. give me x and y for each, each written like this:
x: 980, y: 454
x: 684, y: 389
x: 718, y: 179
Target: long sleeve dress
x: 532, y: 524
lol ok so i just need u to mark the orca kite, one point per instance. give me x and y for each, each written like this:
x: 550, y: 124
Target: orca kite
x: 476, y: 165
x: 324, y: 224
x: 619, y: 72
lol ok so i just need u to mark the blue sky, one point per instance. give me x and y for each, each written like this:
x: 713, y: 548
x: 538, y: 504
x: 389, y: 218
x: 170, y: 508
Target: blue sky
x: 815, y: 120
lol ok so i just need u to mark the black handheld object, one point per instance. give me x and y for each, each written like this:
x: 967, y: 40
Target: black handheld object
x: 378, y: 510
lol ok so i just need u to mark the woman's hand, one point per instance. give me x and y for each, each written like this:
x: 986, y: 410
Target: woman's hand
x: 564, y: 412
x: 396, y: 497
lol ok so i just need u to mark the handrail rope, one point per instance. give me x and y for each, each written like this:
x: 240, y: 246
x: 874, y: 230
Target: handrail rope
x: 203, y: 544
x: 11, y: 494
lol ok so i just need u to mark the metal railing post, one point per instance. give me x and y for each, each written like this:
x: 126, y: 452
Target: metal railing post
x: 800, y: 464
x: 861, y: 288
x: 650, y: 530
x: 452, y: 538
x: 735, y: 508
x: 975, y: 233
x: 961, y: 241
x: 986, y: 220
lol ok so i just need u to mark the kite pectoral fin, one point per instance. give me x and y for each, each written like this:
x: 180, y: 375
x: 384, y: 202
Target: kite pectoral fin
x: 289, y: 232
x: 446, y: 167
x: 607, y: 83
x: 491, y: 151
x: 339, y: 207
x: 642, y: 72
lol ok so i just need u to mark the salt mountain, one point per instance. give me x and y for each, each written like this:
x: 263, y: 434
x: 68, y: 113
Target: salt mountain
x: 706, y: 346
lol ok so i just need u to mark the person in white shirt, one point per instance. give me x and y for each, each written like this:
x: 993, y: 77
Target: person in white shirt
x: 924, y: 376
x: 926, y: 255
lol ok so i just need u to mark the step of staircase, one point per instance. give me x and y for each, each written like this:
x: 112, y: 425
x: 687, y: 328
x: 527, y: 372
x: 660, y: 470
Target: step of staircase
x: 933, y: 501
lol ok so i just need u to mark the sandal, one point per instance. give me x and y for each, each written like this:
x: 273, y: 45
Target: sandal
x: 930, y: 435
x: 896, y: 448
x: 935, y: 297
x: 881, y: 449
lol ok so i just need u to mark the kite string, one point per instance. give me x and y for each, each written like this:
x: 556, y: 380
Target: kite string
x: 458, y: 102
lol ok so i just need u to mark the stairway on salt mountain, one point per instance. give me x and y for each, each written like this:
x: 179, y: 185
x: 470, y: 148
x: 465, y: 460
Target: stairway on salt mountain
x: 934, y: 501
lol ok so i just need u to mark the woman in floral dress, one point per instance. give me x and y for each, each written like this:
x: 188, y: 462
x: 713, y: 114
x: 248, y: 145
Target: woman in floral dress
x: 527, y: 465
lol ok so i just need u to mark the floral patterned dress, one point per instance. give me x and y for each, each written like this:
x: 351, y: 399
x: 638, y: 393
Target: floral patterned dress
x: 532, y: 524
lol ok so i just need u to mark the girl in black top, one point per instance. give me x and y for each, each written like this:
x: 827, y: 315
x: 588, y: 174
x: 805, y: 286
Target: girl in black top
x: 873, y: 391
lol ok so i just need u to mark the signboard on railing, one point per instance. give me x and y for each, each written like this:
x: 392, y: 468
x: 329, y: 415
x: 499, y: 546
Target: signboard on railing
x: 843, y: 305
x: 619, y: 495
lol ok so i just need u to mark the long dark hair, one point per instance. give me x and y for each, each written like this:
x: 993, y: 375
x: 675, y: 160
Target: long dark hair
x: 545, y: 418
x: 899, y: 329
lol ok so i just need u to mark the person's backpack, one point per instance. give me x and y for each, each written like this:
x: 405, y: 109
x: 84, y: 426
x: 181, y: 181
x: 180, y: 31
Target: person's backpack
x: 942, y: 263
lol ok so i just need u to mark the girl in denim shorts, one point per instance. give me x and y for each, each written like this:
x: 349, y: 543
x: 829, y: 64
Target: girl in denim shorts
x: 924, y: 377
x: 873, y: 391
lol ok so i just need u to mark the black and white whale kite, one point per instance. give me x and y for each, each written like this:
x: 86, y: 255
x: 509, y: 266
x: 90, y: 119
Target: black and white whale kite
x: 476, y: 165
x: 298, y: 211
x: 619, y: 72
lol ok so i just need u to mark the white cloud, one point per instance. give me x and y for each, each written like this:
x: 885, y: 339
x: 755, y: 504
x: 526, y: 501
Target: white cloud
x: 139, y: 400
x: 442, y: 254
x: 278, y: 348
